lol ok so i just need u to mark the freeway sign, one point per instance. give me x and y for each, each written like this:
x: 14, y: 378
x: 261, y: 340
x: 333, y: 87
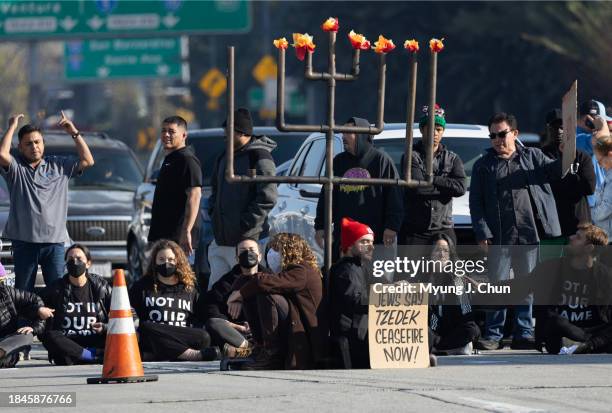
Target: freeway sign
x: 126, y: 58
x: 95, y: 18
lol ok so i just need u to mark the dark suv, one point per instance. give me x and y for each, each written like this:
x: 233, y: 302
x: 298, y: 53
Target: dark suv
x: 208, y: 145
x: 99, y: 201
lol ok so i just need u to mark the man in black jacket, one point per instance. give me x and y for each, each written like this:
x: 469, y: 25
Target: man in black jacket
x: 15, y: 304
x: 429, y: 211
x: 240, y: 210
x: 349, y: 282
x: 231, y: 336
x: 570, y: 192
x: 379, y: 207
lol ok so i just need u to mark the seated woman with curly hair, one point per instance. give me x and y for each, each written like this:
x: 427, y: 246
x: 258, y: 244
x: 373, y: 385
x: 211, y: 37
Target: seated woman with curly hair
x: 169, y: 308
x: 281, y: 308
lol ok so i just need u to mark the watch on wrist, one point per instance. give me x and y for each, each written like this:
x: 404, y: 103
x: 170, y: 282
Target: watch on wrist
x: 76, y: 135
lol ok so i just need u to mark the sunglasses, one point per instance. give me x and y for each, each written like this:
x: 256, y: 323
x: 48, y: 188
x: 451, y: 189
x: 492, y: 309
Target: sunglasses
x: 501, y: 134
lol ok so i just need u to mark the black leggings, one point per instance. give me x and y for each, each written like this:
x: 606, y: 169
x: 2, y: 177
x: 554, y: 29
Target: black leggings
x: 167, y: 342
x: 553, y: 327
x: 11, y: 345
x: 67, y: 350
x: 459, y: 336
x: 222, y: 332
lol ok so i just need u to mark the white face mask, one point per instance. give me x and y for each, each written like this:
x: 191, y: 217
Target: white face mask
x: 274, y: 260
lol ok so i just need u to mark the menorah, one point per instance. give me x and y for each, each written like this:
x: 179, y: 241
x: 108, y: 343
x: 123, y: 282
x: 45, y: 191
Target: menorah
x: 330, y: 128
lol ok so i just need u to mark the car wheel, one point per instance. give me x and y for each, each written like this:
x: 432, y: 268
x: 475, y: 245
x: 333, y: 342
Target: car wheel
x: 134, y: 261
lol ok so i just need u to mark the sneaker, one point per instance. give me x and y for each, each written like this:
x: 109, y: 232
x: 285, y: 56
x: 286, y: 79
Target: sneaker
x: 232, y: 352
x: 523, y: 344
x: 466, y: 350
x: 484, y: 344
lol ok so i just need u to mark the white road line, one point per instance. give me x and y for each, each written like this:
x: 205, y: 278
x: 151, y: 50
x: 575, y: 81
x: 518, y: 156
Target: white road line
x: 502, y: 407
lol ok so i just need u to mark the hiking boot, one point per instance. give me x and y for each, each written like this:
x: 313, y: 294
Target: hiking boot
x: 523, y: 344
x: 211, y: 353
x: 266, y: 359
x: 466, y: 350
x: 232, y: 352
x: 484, y: 344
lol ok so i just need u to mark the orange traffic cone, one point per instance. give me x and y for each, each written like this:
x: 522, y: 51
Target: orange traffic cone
x: 122, y: 362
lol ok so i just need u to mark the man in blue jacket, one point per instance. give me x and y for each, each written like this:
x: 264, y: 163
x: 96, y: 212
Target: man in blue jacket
x: 511, y: 205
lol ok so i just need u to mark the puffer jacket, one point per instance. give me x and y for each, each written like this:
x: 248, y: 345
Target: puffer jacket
x: 15, y: 304
x: 57, y: 297
x: 240, y: 210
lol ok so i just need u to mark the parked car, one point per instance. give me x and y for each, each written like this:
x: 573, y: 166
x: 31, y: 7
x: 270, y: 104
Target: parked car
x: 208, y: 145
x: 296, y: 206
x: 99, y: 201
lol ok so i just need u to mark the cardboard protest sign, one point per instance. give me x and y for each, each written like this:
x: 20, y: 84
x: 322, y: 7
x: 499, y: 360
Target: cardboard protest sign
x: 397, y: 326
x: 569, y: 109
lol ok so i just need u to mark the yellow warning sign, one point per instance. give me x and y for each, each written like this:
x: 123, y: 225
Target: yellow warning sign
x: 213, y: 84
x: 266, y: 68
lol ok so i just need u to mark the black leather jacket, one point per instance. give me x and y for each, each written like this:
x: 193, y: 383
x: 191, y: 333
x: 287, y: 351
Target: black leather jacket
x: 57, y: 297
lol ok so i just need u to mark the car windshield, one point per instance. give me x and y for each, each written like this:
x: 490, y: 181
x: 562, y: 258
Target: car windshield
x: 208, y: 148
x: 113, y: 169
x: 287, y: 146
x: 468, y: 149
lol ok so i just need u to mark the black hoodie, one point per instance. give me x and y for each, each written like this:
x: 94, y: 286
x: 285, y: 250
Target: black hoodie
x: 379, y: 207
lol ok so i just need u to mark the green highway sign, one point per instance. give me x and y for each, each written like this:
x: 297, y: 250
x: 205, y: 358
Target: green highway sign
x: 95, y: 18
x: 101, y: 59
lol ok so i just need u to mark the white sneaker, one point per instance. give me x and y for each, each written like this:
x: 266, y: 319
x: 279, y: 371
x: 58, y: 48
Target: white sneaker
x: 466, y: 350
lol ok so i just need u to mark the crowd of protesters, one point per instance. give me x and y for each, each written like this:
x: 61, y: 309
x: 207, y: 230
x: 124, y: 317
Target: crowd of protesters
x: 266, y: 307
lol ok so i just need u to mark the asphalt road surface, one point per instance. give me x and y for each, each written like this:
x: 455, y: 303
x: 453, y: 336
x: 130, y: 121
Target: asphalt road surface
x: 501, y: 381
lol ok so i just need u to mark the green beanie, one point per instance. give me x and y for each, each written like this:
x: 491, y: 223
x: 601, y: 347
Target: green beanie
x: 438, y: 120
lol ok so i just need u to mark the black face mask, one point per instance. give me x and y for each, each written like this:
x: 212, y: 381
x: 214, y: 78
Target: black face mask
x: 165, y: 270
x: 76, y: 268
x: 248, y: 259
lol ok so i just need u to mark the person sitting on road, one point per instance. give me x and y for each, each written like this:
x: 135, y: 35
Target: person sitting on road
x: 573, y: 296
x: 231, y: 336
x: 169, y: 309
x: 81, y: 302
x: 349, y: 279
x: 451, y: 322
x: 14, y: 305
x: 282, y: 308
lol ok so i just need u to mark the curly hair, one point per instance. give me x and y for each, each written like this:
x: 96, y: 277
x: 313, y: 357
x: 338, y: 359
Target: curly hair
x: 294, y: 250
x: 183, y: 269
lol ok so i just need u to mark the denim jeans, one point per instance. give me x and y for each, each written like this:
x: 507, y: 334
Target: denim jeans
x: 522, y: 259
x: 28, y: 255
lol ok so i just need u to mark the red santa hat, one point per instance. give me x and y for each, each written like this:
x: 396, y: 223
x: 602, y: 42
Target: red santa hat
x: 351, y: 232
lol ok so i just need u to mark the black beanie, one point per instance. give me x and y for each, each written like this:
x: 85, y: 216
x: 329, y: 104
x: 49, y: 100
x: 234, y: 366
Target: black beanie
x: 243, y: 122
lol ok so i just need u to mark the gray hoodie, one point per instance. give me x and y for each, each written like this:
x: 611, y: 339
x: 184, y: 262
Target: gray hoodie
x: 240, y: 210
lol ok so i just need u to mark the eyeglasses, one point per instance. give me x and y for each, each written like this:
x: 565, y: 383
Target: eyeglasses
x: 501, y: 134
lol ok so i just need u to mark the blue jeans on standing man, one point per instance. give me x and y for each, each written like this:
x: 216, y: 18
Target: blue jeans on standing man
x: 522, y: 259
x: 28, y: 255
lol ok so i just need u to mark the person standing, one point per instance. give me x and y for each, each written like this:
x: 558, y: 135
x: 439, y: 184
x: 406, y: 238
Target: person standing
x: 377, y: 206
x: 38, y: 187
x: 572, y: 190
x: 176, y: 203
x: 511, y: 203
x: 240, y: 210
x: 428, y: 212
